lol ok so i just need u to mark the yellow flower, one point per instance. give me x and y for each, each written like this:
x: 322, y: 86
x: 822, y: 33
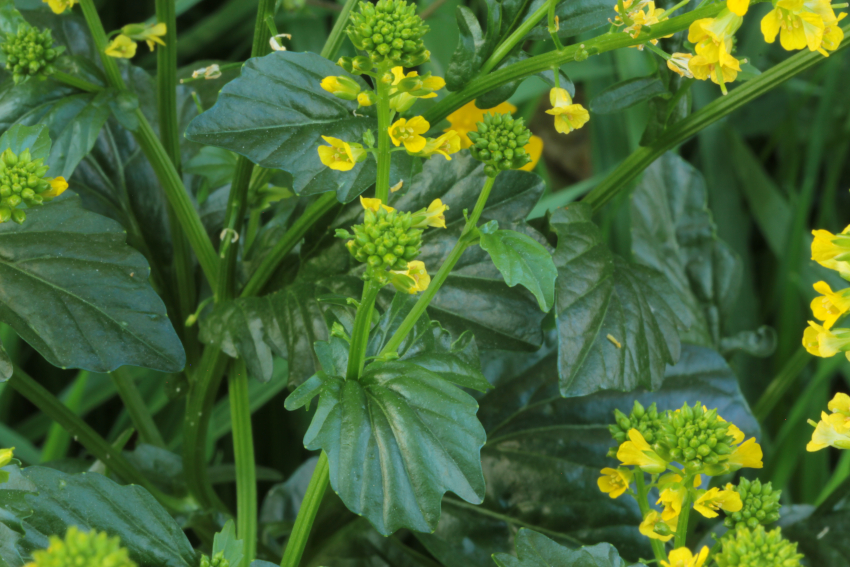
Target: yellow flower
x: 59, y: 6
x: 738, y: 7
x: 832, y: 430
x: 641, y: 18
x: 826, y: 342
x: 340, y: 155
x: 374, y: 204
x: 6, y: 456
x: 412, y: 281
x: 433, y: 216
x: 833, y: 35
x: 149, y: 33
x: 683, y: 557
x: 568, y: 116
x: 57, y: 187
x: 830, y: 306
x: 796, y: 23
x: 614, y: 482
x: 840, y: 404
x: 466, y: 118
x: 409, y: 133
x: 717, y: 30
x: 716, y: 499
x: 122, y: 47
x: 341, y: 87
x: 447, y: 144
x: 734, y: 432
x: 832, y: 250
x: 721, y: 69
x: 366, y: 98
x: 653, y: 524
x: 413, y: 88
x: 679, y: 63
x: 746, y: 455
x: 637, y: 452
x: 672, y: 499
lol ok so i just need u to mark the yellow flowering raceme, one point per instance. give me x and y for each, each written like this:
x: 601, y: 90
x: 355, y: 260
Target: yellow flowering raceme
x: 683, y: 557
x: 122, y: 47
x: 715, y: 499
x: 803, y: 23
x: 830, y: 305
x: 409, y: 133
x: 646, y: 14
x: 833, y: 430
x: 59, y: 6
x: 341, y: 155
x: 614, y: 482
x: 713, y: 39
x: 465, y: 119
x: 568, y: 116
x: 637, y: 452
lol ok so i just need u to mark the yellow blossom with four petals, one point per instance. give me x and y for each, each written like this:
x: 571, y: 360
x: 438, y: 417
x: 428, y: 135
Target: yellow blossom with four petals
x: 409, y: 133
x: 446, y: 145
x: 614, y: 482
x: 833, y: 429
x: 374, y: 204
x: 637, y: 452
x: 568, y: 116
x: 340, y: 155
x: 682, y: 557
x: 59, y: 6
x: 832, y: 251
x: 121, y: 47
x: 826, y: 343
x: 830, y: 305
x: 715, y: 499
x: 654, y: 523
x: 433, y: 216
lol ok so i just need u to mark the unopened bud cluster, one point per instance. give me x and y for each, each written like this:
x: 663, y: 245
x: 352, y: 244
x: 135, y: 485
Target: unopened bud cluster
x: 644, y: 420
x: 218, y: 560
x: 80, y: 548
x: 500, y: 142
x: 21, y: 181
x: 694, y: 437
x: 30, y: 52
x: 386, y: 240
x: 389, y: 31
x: 745, y: 547
x: 761, y: 505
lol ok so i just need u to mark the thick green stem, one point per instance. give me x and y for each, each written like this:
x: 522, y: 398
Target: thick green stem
x: 243, y: 451
x: 167, y: 174
x: 467, y: 237
x: 641, y: 158
x: 382, y: 184
x: 334, y: 41
x: 282, y: 247
x: 643, y: 504
x: 137, y: 408
x: 75, y: 82
x: 25, y: 385
x: 512, y: 40
x: 58, y: 439
x: 360, y: 333
x: 682, y: 527
x: 307, y: 514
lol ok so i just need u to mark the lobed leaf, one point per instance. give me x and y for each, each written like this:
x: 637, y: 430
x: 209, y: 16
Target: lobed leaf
x: 536, y: 550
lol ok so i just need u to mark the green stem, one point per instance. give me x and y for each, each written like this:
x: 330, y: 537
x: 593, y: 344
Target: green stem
x: 25, y: 385
x: 58, y: 439
x: 307, y: 513
x: 360, y: 332
x: 334, y: 41
x: 76, y: 82
x: 641, y: 158
x: 512, y: 40
x: 136, y: 407
x: 243, y: 451
x: 282, y: 247
x: 467, y: 237
x: 553, y: 29
x: 382, y: 184
x: 643, y: 504
x: 167, y: 174
x: 682, y: 527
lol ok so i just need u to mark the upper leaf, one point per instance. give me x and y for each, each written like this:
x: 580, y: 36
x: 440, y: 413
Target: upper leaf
x: 397, y: 439
x: 522, y: 260
x: 627, y: 94
x: 225, y: 542
x: 72, y: 288
x: 575, y: 16
x: 39, y: 502
x: 537, y: 550
x: 18, y: 138
x: 276, y: 113
x: 617, y: 322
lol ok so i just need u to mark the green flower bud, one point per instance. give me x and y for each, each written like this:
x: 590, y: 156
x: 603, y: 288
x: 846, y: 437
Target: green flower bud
x: 389, y: 31
x: 760, y: 505
x: 82, y: 548
x: 30, y: 52
x: 695, y: 437
x: 497, y: 143
x: 757, y: 548
x: 218, y: 560
x: 22, y: 181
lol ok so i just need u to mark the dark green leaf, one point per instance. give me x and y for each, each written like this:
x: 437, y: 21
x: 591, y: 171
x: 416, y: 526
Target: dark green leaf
x: 74, y: 290
x: 39, y: 502
x: 276, y: 113
x: 231, y: 548
x: 397, y: 439
x: 760, y: 343
x: 522, y: 260
x: 537, y: 550
x: 617, y: 322
x: 33, y: 138
x: 823, y: 538
x: 6, y: 368
x: 544, y: 453
x: 576, y: 17
x: 215, y: 165
x: 124, y: 105
x: 627, y: 94
x: 473, y: 47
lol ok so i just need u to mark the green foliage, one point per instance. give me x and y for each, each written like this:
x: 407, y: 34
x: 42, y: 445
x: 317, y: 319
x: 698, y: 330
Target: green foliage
x: 536, y: 550
x: 227, y: 550
x: 627, y: 94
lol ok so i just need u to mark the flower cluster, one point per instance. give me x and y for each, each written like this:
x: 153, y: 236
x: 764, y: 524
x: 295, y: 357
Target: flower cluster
x: 500, y: 142
x: 124, y: 45
x: 389, y: 241
x: 830, y: 251
x: 30, y: 53
x: 82, y: 548
x: 754, y: 547
x: 760, y: 504
x: 803, y: 23
x: 389, y: 31
x: 714, y: 42
x: 637, y: 15
x: 833, y: 429
x: 22, y: 180
x: 217, y: 560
